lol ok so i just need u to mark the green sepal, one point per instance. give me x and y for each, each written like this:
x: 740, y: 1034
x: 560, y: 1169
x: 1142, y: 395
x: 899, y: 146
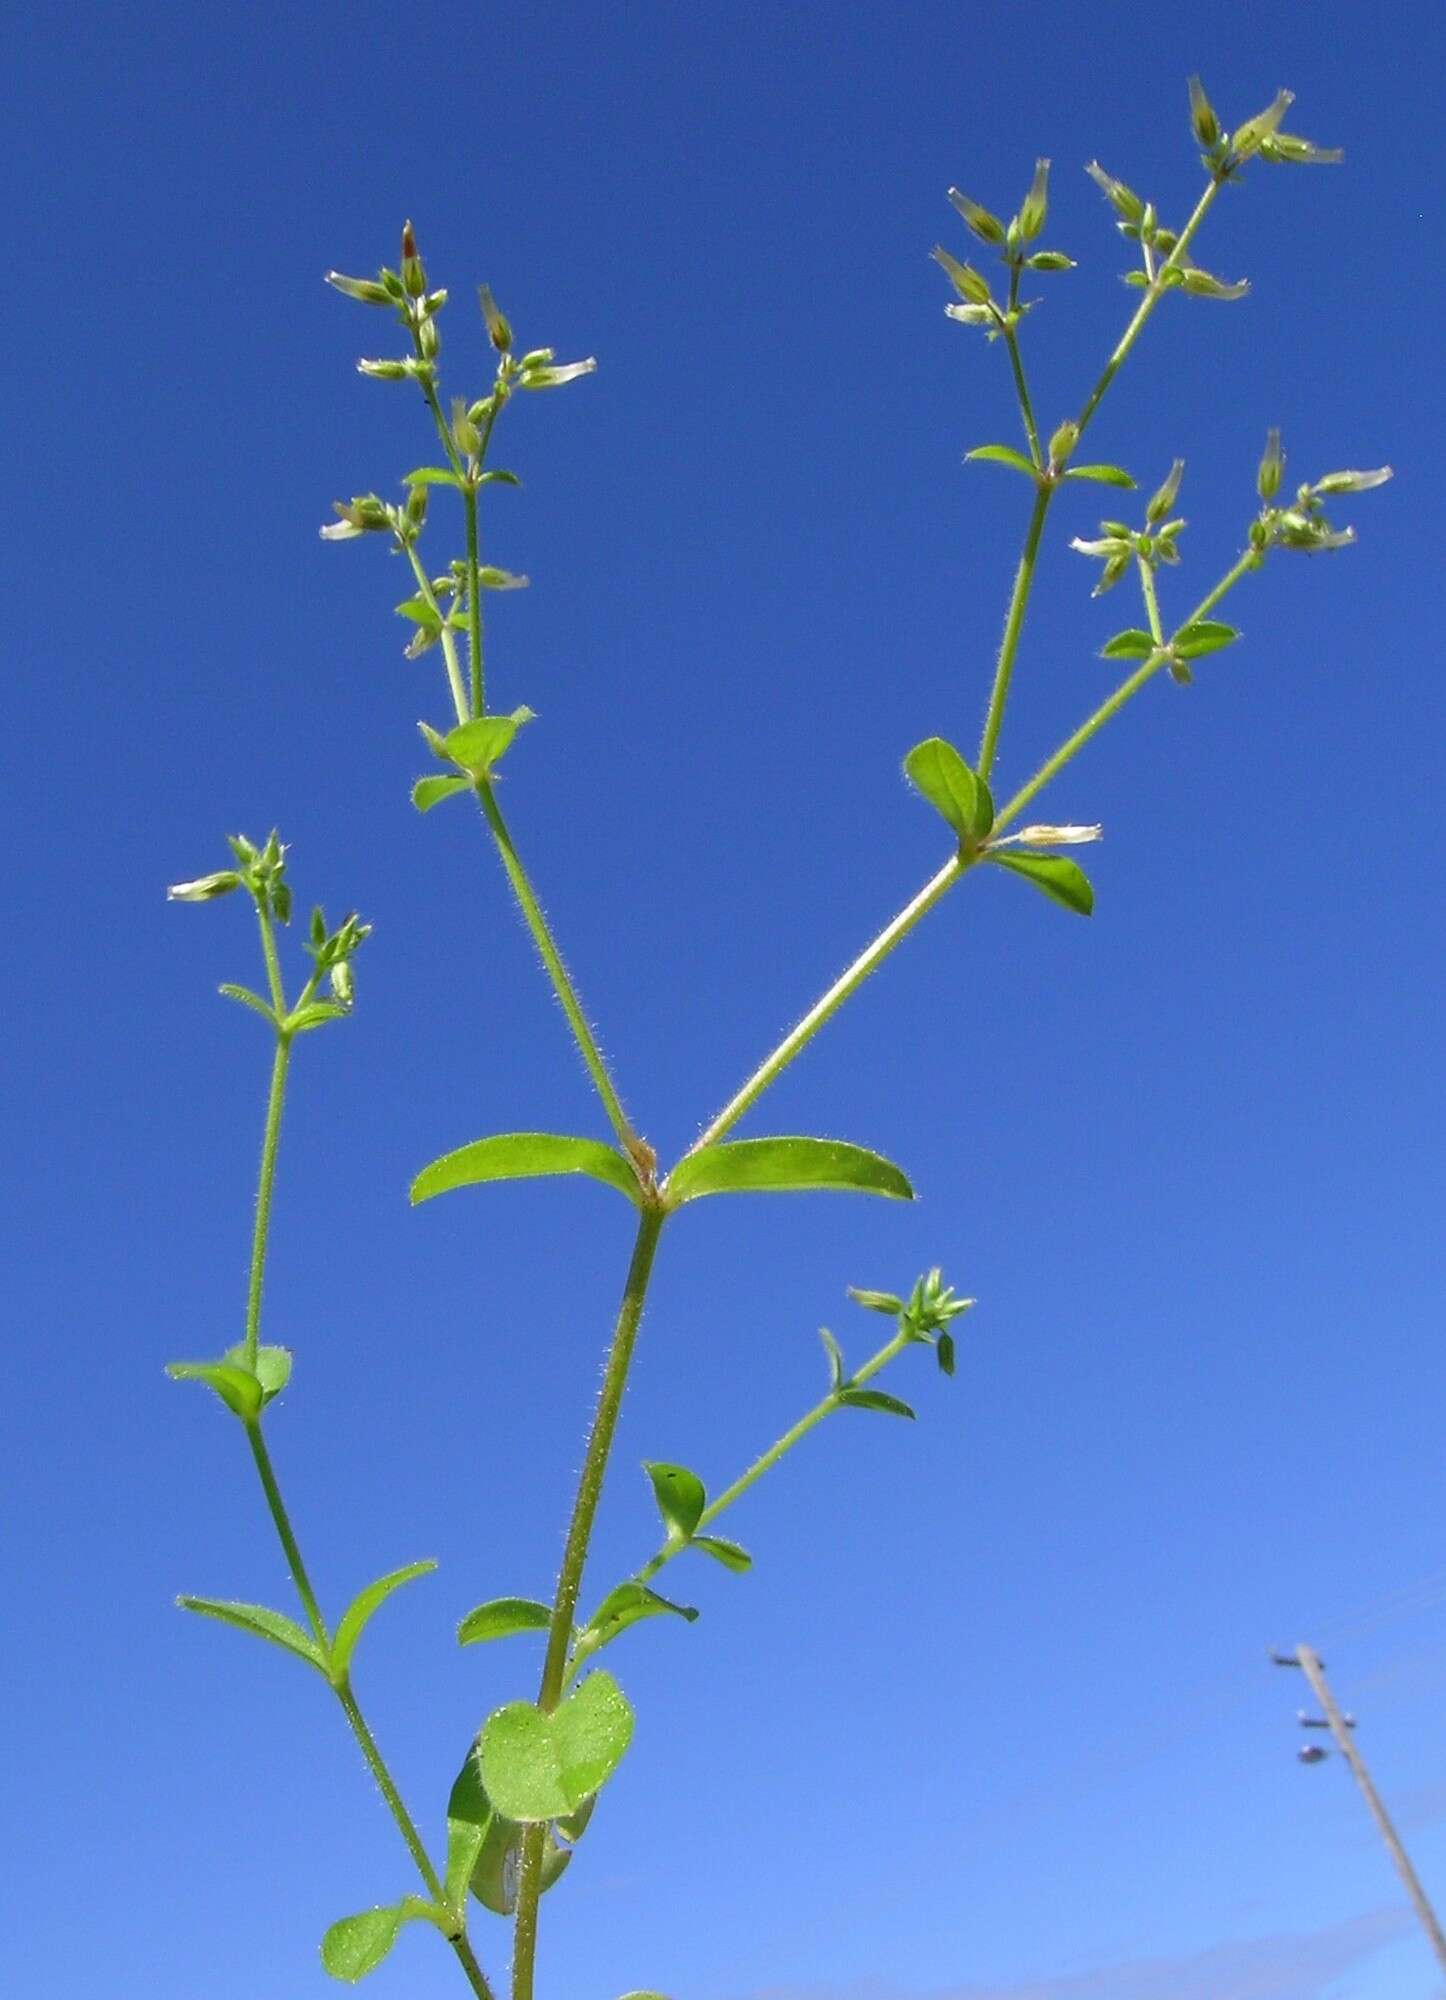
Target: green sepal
x: 362, y: 1607
x: 1132, y: 644
x: 681, y: 1498
x: 539, y: 1767
x: 500, y: 1618
x: 1003, y: 454
x: 784, y: 1165
x: 958, y: 794
x: 272, y: 1370
x: 1101, y: 475
x: 511, y: 1156
x: 1063, y: 881
x: 731, y: 1554
x: 237, y: 1387
x: 1206, y: 635
x: 429, y: 792
x: 249, y: 999
x: 263, y: 1623
x: 874, y: 1399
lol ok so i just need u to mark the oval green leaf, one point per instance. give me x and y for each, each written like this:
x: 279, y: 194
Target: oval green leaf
x: 432, y: 475
x: 478, y: 744
x: 1003, y: 454
x: 429, y: 792
x: 731, y: 1554
x: 363, y: 1605
x: 1102, y: 475
x: 273, y: 1368
x: 237, y: 1387
x: 1064, y: 882
x: 249, y: 999
x: 680, y: 1496
x: 1131, y: 645
x: 1206, y: 635
x: 357, y: 1945
x: 257, y: 1619
x: 500, y: 1617
x: 536, y: 1766
x: 874, y: 1399
x: 946, y: 781
x: 784, y: 1166
x: 515, y: 1156
x: 627, y: 1605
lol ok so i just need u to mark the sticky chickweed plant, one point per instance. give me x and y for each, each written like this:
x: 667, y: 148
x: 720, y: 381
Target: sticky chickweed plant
x: 531, y: 1777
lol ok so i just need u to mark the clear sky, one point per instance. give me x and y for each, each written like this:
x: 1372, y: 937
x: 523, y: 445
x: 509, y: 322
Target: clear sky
x: 991, y: 1718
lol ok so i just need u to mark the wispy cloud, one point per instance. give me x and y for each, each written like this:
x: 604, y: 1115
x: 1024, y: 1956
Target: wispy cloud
x: 1298, y: 1966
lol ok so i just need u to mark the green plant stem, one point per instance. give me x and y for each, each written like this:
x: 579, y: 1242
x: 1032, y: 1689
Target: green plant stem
x: 1013, y: 627
x: 574, y: 1559
x: 557, y: 972
x: 286, y: 1536
x: 377, y: 1765
x: 449, y: 645
x: 1125, y: 692
x: 1152, y: 601
x: 1021, y: 389
x: 261, y: 1233
x: 474, y: 598
x: 823, y: 1009
x: 825, y: 1407
x: 1153, y: 294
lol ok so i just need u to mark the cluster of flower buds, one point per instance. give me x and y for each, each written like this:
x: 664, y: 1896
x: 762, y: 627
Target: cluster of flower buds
x: 262, y: 870
x: 924, y: 1315
x: 1303, y: 524
x: 1120, y: 545
x: 976, y: 305
x: 1223, y: 153
x: 334, y: 951
x: 405, y: 292
x: 1137, y: 221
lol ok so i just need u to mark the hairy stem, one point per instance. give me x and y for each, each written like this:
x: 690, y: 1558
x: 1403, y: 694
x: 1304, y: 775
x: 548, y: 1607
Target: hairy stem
x: 1021, y: 390
x: 474, y: 599
x: 1013, y: 627
x: 287, y: 1536
x: 261, y: 1233
x: 574, y: 1559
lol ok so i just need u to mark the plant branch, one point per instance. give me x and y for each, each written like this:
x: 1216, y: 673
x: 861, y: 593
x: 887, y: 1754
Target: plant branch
x: 1021, y: 389
x: 1013, y: 627
x: 261, y: 1233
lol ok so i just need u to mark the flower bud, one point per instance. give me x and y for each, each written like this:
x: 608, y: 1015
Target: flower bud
x: 1203, y: 285
x: 537, y: 357
x: 1164, y: 497
x: 879, y: 1302
x: 417, y: 505
x: 969, y: 283
x: 1125, y: 202
x: 1267, y: 478
x: 465, y: 434
x: 367, y: 290
x: 342, y: 986
x: 553, y: 378
x: 1297, y: 152
x: 498, y: 331
x: 988, y: 228
x: 1035, y: 206
x: 414, y: 278
x: 384, y: 371
x: 428, y: 339
x: 1248, y: 138
x: 1203, y: 122
x: 205, y: 889
x: 1063, y: 443
x: 1049, y: 260
x: 1351, y: 482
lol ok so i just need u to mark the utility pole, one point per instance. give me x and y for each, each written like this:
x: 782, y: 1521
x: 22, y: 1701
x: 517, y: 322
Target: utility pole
x: 1340, y: 1726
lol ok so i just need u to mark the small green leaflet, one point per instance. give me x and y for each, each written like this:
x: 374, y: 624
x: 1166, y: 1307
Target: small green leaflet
x: 272, y: 1371
x: 537, y: 1766
x: 357, y: 1945
x: 680, y: 1496
x: 937, y: 770
x: 1064, y: 882
x: 360, y: 1610
x: 730, y: 1554
x: 1003, y: 454
x: 784, y: 1165
x: 499, y: 476
x: 237, y: 1387
x: 429, y: 792
x: 835, y: 1358
x: 628, y: 1605
x: 500, y: 1617
x: 263, y: 1623
x: 432, y: 475
x: 421, y: 613
x: 1206, y: 635
x: 477, y: 745
x: 249, y: 999
x: 874, y: 1399
x: 1131, y: 645
x: 944, y: 1350
x: 511, y: 1156
x: 1102, y: 475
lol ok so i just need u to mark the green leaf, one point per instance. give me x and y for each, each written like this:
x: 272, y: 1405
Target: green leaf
x: 516, y: 1156
x: 628, y: 1605
x: 680, y: 1496
x: 363, y: 1605
x: 492, y: 578
x: 429, y: 792
x: 265, y: 1624
x: 357, y: 1945
x: 473, y: 1823
x: 464, y: 1846
x: 835, y: 1357
x: 1064, y: 882
x: 537, y: 1766
x: 574, y: 1825
x: 249, y: 999
x: 315, y: 1015
x: 730, y: 1554
x: 421, y: 613
x: 478, y: 744
x: 1130, y: 645
x: 499, y: 476
x: 644, y: 1996
x: 1206, y: 635
x: 784, y: 1165
x: 500, y: 1617
x: 946, y: 781
x: 432, y: 475
x: 1003, y: 454
x: 237, y: 1387
x: 1102, y: 475
x: 944, y: 1350
x: 272, y: 1371
x: 875, y: 1399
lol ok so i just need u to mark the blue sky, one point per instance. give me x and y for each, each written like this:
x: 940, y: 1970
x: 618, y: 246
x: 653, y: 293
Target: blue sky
x: 991, y: 1718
